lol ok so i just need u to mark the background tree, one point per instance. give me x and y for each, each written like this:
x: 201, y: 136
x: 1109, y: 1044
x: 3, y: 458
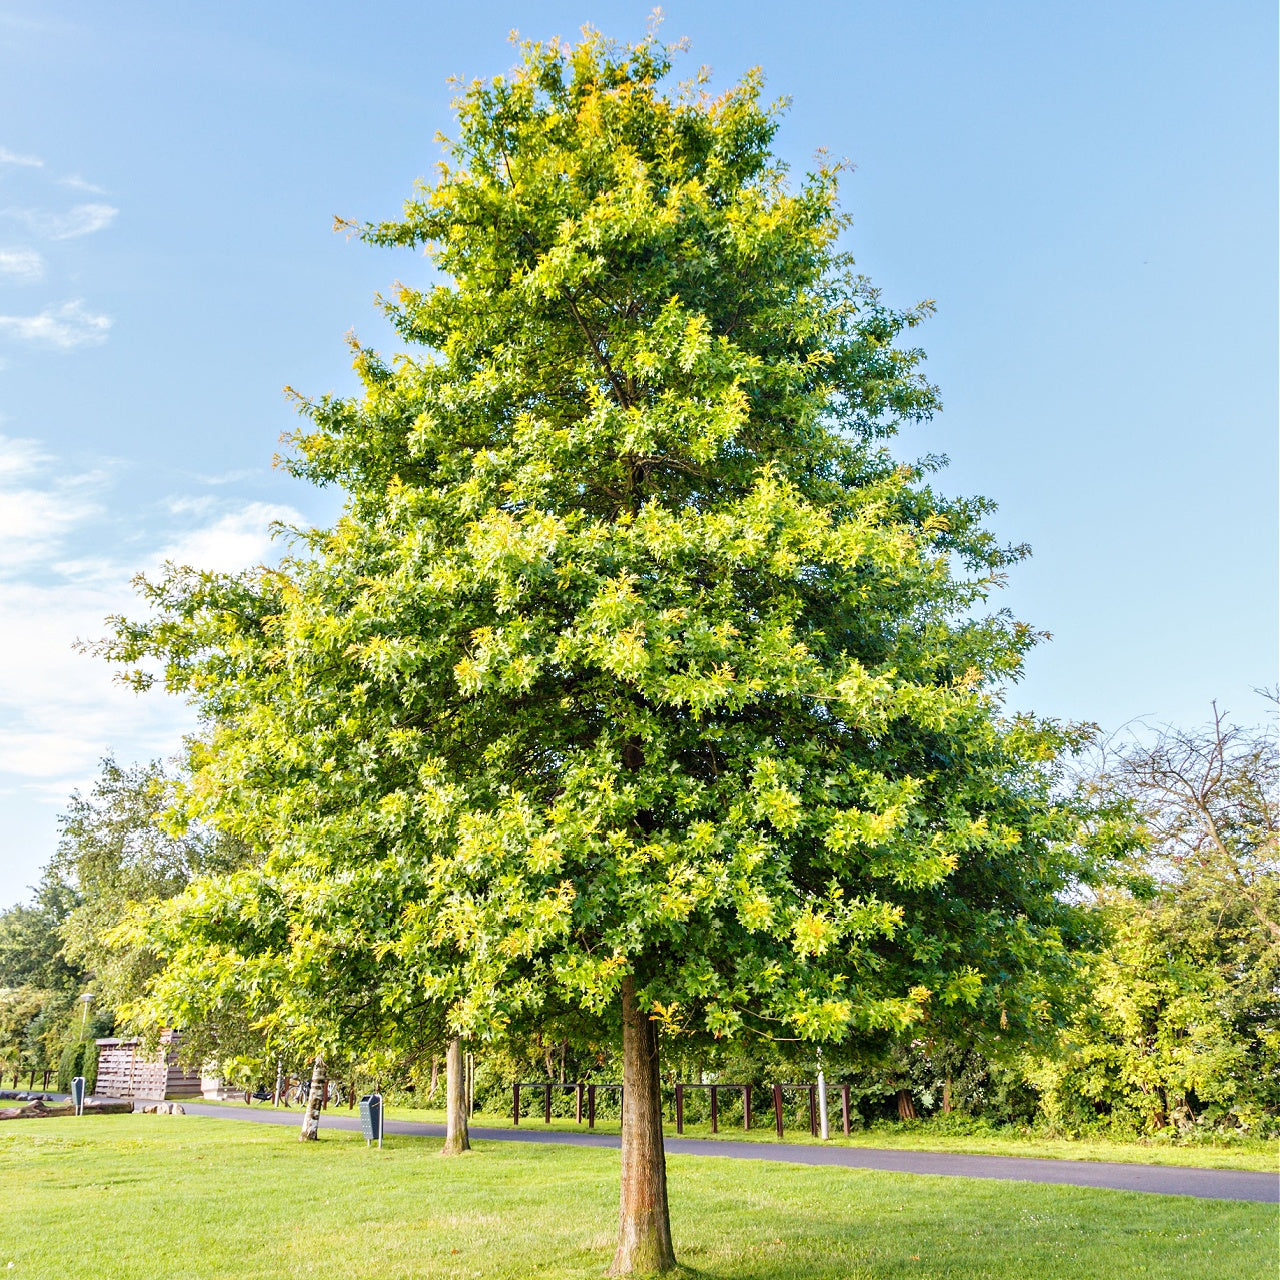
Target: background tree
x: 120, y: 848
x: 1183, y: 1020
x: 638, y: 680
x: 39, y: 1010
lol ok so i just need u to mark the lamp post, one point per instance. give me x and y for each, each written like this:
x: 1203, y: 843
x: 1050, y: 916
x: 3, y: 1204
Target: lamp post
x: 822, y: 1100
x: 86, y: 1000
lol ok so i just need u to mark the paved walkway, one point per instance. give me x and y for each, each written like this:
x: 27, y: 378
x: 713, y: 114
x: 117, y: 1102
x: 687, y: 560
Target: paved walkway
x: 1212, y: 1184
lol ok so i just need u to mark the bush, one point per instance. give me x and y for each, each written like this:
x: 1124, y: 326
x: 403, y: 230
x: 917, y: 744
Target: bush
x: 69, y: 1065
x: 79, y: 1059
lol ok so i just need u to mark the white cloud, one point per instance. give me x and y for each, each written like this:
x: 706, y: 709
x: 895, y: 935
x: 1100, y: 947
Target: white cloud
x: 10, y: 157
x: 77, y: 183
x: 69, y: 325
x: 231, y: 477
x: 19, y: 457
x: 82, y: 220
x: 67, y: 557
x: 60, y: 711
x: 25, y: 265
x: 236, y: 540
x: 38, y: 510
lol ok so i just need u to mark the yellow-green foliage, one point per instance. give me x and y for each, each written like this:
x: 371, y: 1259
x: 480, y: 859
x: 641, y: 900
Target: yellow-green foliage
x: 634, y: 650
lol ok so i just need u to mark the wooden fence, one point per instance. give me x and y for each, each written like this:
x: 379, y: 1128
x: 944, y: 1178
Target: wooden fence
x: 588, y: 1091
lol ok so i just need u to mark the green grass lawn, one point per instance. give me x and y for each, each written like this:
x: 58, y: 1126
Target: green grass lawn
x: 1257, y: 1154
x: 136, y: 1197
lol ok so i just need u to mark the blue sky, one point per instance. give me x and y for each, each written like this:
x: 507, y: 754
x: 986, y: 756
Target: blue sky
x: 1087, y: 190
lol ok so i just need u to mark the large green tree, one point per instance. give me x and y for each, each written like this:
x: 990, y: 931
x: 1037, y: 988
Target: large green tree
x: 638, y: 680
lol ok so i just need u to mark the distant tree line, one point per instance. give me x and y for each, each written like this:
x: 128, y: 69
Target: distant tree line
x: 1174, y: 1026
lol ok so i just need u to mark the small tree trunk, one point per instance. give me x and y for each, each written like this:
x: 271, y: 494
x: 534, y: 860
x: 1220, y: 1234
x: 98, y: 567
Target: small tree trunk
x: 906, y: 1108
x: 456, y: 1138
x: 435, y: 1077
x: 946, y: 1096
x: 315, y: 1096
x: 644, y: 1227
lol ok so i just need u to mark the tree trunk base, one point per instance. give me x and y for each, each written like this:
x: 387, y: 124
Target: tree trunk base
x: 315, y: 1098
x: 456, y: 1138
x: 644, y: 1226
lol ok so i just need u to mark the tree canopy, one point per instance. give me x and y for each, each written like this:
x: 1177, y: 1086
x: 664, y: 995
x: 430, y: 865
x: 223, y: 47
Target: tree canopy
x: 637, y: 668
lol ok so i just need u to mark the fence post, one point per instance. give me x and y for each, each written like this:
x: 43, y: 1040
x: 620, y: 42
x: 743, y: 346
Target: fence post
x: 813, y: 1111
x: 515, y: 1104
x: 591, y: 1106
x: 679, y: 1107
x: 844, y: 1107
x: 746, y: 1108
x: 578, y: 1108
x: 547, y: 1105
x: 777, y: 1106
x: 715, y: 1114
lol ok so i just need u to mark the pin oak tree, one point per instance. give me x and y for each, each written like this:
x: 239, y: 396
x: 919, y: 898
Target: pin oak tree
x: 638, y: 680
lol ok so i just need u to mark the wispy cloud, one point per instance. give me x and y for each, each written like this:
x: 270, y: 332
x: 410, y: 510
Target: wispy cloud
x: 28, y: 162
x: 19, y: 457
x: 59, y: 710
x: 82, y: 220
x: 66, y: 326
x: 38, y: 506
x: 77, y: 183
x: 25, y: 265
x: 231, y: 477
x: 235, y: 540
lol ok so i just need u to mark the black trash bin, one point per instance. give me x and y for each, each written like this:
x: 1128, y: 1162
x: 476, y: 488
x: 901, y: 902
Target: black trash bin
x: 371, y: 1117
x: 77, y: 1094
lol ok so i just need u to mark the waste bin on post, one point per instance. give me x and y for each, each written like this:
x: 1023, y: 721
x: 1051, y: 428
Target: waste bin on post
x: 371, y: 1117
x: 77, y: 1094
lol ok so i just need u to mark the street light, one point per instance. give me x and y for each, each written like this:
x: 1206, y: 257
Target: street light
x: 86, y: 1000
x: 822, y: 1100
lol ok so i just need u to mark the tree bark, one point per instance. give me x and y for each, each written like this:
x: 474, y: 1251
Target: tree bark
x: 644, y: 1226
x: 946, y: 1096
x: 456, y: 1138
x: 315, y: 1097
x: 435, y: 1077
x: 906, y: 1108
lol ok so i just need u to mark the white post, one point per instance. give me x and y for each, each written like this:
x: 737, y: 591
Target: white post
x: 822, y: 1100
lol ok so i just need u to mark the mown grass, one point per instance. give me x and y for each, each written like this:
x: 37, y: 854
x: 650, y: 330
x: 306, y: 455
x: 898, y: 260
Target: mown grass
x: 926, y: 1135
x: 143, y: 1197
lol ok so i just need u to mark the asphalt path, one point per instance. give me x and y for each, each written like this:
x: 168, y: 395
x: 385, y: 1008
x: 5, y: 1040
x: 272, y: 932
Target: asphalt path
x: 1169, y: 1180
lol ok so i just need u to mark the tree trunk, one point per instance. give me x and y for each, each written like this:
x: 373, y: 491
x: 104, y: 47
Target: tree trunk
x: 946, y: 1096
x: 315, y: 1096
x: 644, y: 1227
x: 435, y: 1077
x: 456, y: 1138
x: 906, y: 1108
